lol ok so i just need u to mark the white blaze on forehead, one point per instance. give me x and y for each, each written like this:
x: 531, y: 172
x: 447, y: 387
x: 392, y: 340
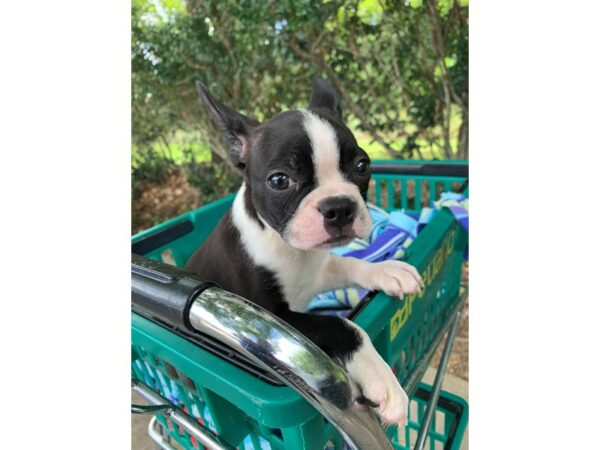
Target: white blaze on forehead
x: 325, y: 148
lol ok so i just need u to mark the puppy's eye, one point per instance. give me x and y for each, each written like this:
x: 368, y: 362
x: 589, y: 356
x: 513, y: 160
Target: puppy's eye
x: 362, y: 167
x: 280, y: 181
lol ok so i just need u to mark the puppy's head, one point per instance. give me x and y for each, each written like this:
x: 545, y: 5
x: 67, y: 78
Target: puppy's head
x: 306, y: 177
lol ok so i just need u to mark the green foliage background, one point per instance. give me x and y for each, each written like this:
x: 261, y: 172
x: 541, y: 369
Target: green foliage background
x: 400, y: 68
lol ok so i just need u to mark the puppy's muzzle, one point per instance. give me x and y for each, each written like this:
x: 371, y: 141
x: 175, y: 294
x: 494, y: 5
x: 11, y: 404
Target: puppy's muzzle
x: 337, y: 213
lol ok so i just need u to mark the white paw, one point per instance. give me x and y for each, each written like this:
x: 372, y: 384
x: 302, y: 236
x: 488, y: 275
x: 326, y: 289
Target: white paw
x: 378, y: 383
x: 395, y: 278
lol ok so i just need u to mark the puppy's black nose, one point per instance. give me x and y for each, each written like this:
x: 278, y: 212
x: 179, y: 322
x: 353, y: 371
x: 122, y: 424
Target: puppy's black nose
x: 338, y: 211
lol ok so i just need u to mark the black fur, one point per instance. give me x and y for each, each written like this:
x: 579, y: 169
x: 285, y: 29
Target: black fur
x: 280, y: 145
x: 223, y: 260
x: 323, y: 96
x: 330, y: 333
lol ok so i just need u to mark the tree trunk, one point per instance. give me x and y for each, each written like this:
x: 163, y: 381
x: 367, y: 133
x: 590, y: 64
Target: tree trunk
x: 463, y: 137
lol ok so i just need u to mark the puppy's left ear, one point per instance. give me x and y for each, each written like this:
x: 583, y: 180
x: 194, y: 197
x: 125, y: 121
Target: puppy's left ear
x: 235, y: 126
x: 324, y: 96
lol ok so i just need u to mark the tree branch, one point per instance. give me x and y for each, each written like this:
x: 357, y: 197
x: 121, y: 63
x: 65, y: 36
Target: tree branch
x: 319, y: 61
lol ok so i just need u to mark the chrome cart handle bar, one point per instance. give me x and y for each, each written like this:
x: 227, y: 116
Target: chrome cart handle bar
x: 272, y: 344
x: 180, y: 299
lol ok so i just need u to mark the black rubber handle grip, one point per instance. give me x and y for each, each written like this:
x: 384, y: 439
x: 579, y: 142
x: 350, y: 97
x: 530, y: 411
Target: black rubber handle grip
x: 163, y: 292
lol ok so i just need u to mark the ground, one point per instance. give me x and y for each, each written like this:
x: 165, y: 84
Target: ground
x: 458, y: 364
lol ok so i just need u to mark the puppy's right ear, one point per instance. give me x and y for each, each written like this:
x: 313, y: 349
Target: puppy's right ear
x: 235, y: 126
x: 324, y: 96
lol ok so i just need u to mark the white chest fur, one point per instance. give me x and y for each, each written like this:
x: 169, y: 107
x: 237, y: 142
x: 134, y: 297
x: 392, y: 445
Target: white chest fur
x: 299, y: 272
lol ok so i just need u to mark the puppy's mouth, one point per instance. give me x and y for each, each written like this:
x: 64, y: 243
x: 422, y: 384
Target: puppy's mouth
x: 337, y: 241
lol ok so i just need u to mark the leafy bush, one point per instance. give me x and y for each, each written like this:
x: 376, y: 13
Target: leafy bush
x: 400, y: 68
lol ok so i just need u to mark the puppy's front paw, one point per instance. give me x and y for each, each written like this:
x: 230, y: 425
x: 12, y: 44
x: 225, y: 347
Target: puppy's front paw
x: 395, y: 278
x: 379, y: 386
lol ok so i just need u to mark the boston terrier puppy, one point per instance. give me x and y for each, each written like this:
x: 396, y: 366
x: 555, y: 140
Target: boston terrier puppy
x: 304, y: 191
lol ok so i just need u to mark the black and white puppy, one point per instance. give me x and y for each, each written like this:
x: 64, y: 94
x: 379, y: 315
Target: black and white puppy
x: 304, y: 189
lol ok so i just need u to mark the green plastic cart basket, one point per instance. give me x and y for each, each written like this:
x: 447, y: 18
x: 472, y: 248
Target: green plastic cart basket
x: 245, y: 407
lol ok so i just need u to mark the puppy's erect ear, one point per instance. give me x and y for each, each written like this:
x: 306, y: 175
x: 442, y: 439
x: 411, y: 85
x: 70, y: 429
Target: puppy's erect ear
x: 235, y: 126
x: 323, y: 96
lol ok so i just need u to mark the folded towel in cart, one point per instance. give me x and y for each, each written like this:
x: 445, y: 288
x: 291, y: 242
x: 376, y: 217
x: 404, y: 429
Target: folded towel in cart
x: 390, y: 236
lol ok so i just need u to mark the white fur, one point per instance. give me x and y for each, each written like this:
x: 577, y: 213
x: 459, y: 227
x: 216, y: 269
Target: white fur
x: 326, y: 152
x: 295, y: 269
x: 377, y: 381
x: 393, y: 277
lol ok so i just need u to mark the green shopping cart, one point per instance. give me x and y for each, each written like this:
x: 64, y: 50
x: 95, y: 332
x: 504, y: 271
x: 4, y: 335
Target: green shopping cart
x: 207, y: 361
